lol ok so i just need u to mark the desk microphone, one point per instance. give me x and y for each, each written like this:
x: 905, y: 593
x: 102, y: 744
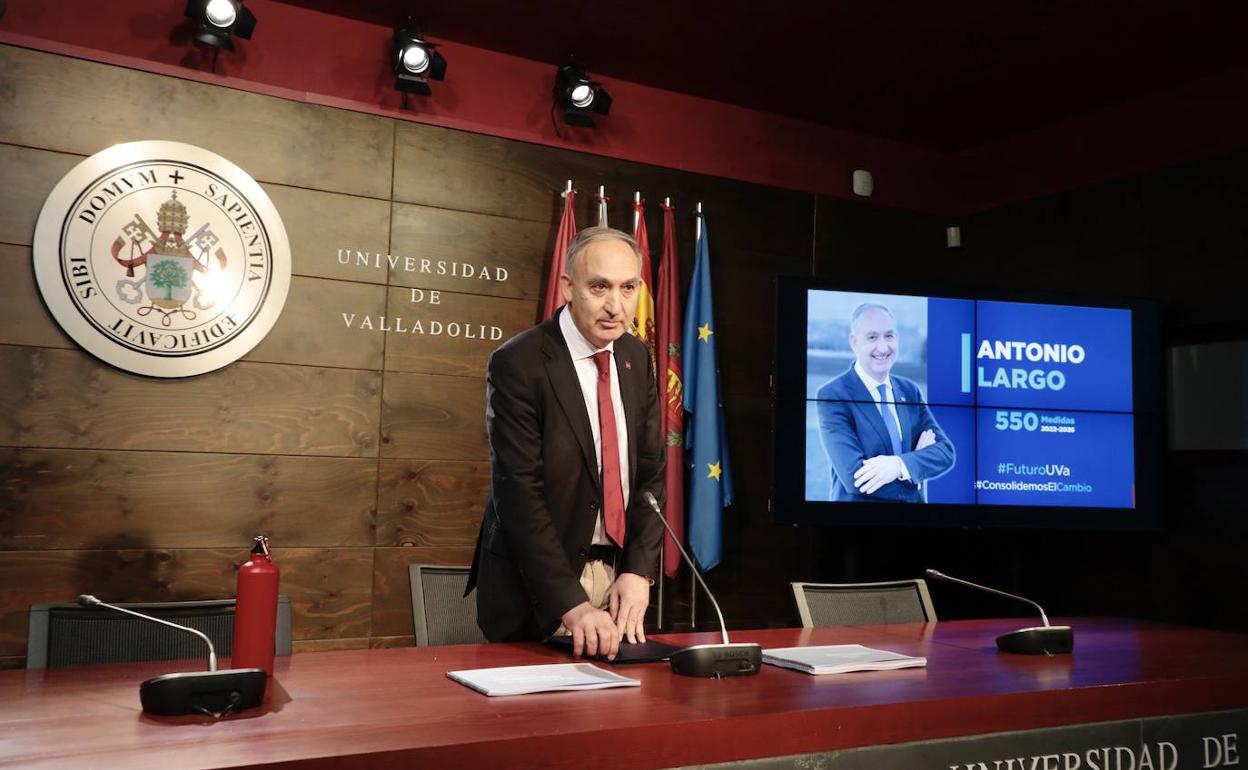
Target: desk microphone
x: 1037, y: 640
x: 709, y: 660
x: 212, y: 693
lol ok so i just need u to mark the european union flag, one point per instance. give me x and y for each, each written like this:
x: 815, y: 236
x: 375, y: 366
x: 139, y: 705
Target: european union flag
x: 706, y: 443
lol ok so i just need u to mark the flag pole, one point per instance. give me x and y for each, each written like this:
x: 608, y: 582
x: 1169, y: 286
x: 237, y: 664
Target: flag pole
x: 667, y: 203
x: 693, y: 597
x: 693, y: 585
x: 636, y: 216
x: 659, y: 624
x: 566, y: 190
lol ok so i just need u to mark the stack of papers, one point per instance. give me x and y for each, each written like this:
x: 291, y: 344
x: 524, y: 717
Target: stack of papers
x: 521, y: 680
x: 839, y: 659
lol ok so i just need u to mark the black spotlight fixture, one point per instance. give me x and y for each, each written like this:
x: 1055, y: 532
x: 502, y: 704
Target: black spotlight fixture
x: 216, y: 21
x: 416, y: 61
x: 578, y: 96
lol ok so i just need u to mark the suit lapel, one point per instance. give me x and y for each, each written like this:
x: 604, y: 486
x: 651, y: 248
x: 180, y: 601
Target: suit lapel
x: 567, y: 390
x: 904, y: 416
x: 867, y: 407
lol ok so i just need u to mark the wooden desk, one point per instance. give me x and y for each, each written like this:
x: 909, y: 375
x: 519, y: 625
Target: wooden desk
x: 395, y: 707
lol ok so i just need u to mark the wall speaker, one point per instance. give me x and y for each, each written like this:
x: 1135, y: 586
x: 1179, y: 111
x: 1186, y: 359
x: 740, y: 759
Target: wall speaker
x: 864, y: 184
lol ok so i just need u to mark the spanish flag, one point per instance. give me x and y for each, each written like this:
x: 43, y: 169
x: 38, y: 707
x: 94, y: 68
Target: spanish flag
x: 643, y: 324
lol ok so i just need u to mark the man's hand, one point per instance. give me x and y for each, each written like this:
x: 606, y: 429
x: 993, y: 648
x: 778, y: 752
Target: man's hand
x: 926, y: 438
x: 630, y: 595
x: 593, y: 631
x: 876, y: 472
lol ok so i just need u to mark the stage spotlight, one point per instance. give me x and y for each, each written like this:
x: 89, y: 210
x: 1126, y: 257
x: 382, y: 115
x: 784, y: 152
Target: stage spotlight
x: 216, y: 21
x: 578, y: 96
x: 415, y: 61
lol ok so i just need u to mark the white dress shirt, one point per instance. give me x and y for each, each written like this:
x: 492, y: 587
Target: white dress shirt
x: 887, y: 410
x: 582, y: 353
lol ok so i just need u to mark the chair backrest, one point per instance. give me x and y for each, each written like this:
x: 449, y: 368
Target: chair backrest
x: 859, y: 604
x: 440, y: 611
x: 68, y: 634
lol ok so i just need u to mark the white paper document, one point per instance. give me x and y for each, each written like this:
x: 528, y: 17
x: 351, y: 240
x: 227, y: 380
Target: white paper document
x: 553, y: 677
x: 839, y: 659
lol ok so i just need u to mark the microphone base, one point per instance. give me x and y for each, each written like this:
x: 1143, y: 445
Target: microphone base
x: 203, y: 692
x: 718, y: 660
x: 1040, y: 640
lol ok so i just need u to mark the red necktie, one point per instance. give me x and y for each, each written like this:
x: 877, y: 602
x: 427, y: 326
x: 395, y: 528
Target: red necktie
x: 612, y: 486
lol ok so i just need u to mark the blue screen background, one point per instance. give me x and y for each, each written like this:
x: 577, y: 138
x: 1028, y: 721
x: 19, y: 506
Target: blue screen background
x: 1067, y: 447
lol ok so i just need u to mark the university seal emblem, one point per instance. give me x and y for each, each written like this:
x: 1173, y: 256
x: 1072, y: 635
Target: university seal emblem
x: 162, y: 258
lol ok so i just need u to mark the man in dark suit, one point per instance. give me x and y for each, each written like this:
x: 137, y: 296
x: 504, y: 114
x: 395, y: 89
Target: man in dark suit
x: 567, y: 542
x: 880, y: 437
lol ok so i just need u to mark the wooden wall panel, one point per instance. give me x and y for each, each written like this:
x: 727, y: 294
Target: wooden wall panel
x: 745, y: 355
x: 433, y: 417
x: 486, y: 174
x: 329, y: 589
x: 430, y: 502
x: 133, y: 575
x: 751, y: 217
x: 319, y: 223
x: 392, y: 593
x: 24, y: 319
x: 850, y: 239
x: 326, y: 645
x: 63, y: 104
x: 359, y: 451
x: 26, y: 177
x: 62, y: 398
x: 72, y: 499
x: 445, y: 346
x: 311, y: 330
x: 442, y: 237
x: 378, y: 642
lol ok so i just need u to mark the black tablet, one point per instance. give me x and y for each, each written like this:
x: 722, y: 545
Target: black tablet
x: 649, y: 651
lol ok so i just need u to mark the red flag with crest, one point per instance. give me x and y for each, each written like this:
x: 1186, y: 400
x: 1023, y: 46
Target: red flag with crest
x: 671, y: 395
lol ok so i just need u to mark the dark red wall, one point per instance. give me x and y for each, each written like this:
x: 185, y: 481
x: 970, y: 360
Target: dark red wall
x: 311, y: 56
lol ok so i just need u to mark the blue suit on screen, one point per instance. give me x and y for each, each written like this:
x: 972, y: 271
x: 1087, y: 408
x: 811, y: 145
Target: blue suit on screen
x: 852, y: 430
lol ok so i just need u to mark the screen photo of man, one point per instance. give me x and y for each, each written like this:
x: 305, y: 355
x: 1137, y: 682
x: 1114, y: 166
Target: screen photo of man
x: 880, y: 438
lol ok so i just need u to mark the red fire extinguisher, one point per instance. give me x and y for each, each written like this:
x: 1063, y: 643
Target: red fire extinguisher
x: 255, y: 619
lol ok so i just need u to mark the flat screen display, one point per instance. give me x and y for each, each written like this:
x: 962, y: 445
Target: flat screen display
x: 912, y: 408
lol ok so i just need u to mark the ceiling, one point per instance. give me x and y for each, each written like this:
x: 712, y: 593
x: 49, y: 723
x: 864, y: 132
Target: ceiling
x: 944, y: 75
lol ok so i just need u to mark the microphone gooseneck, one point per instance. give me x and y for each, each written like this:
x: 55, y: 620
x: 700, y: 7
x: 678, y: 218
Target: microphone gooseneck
x: 709, y: 660
x: 1039, y: 640
x: 654, y: 505
x: 935, y: 575
x: 87, y: 600
x: 213, y: 693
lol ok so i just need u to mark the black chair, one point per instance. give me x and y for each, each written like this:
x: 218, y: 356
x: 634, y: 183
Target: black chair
x: 68, y: 634
x: 441, y: 613
x: 863, y: 604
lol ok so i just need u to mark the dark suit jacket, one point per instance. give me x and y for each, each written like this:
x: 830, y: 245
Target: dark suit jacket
x: 545, y: 489
x: 853, y: 430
